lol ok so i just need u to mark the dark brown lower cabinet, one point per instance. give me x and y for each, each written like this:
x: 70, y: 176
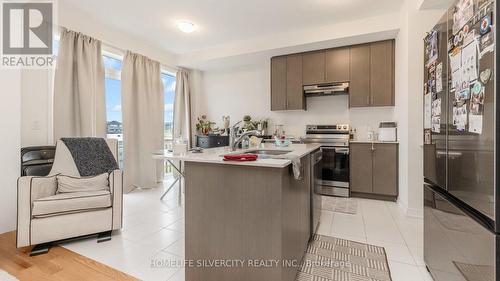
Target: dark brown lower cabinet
x: 238, y: 212
x: 385, y: 169
x: 360, y: 160
x: 374, y: 170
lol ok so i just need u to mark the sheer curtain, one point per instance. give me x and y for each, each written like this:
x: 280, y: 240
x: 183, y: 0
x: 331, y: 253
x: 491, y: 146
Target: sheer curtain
x: 143, y: 125
x: 182, y: 107
x: 79, y: 101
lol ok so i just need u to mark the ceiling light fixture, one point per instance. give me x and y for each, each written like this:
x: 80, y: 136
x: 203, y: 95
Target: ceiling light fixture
x: 186, y: 26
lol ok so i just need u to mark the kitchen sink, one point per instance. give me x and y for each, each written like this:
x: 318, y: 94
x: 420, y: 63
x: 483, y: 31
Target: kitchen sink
x: 268, y: 152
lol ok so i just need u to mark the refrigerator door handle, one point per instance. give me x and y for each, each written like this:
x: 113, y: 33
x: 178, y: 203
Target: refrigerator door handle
x: 440, y: 153
x: 454, y: 155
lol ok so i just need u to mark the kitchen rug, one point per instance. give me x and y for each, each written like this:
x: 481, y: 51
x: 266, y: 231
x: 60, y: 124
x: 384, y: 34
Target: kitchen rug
x: 476, y: 272
x: 341, y: 205
x: 334, y: 259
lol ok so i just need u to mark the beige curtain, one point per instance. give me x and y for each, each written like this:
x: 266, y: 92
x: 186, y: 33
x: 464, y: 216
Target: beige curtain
x: 182, y: 107
x: 79, y: 101
x: 143, y: 127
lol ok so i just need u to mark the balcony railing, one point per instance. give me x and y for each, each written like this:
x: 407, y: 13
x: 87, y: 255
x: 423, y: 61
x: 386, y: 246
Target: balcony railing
x: 168, y: 141
x: 168, y: 145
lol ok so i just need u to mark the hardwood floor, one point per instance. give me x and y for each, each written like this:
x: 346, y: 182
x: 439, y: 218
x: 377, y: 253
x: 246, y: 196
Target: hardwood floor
x: 58, y: 264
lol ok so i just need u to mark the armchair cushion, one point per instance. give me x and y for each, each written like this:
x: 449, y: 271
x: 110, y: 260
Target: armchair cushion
x: 74, y: 184
x: 42, y: 186
x: 71, y: 202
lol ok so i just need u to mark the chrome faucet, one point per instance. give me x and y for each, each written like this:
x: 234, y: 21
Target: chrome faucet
x: 234, y: 140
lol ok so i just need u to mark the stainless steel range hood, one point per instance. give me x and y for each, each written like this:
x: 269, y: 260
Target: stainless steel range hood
x: 341, y: 88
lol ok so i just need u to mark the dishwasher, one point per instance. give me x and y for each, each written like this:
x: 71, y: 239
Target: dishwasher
x: 316, y: 181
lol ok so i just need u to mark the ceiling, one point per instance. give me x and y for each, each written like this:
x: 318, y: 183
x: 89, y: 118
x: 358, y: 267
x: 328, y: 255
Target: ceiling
x: 223, y: 22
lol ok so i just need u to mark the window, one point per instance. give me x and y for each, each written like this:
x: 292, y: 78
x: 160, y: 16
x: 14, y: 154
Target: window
x: 112, y: 88
x: 169, y: 93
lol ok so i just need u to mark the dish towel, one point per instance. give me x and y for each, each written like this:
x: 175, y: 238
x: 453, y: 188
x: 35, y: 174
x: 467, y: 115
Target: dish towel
x: 296, y: 166
x: 240, y: 157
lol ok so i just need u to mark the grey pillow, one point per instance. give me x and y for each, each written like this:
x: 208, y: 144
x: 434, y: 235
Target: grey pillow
x: 74, y: 184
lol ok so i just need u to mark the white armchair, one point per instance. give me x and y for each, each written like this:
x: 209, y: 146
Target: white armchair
x: 46, y: 216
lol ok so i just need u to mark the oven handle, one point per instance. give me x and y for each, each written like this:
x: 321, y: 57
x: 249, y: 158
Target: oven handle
x: 339, y: 150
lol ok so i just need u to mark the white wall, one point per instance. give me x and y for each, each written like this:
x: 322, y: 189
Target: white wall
x: 246, y: 90
x: 36, y: 107
x: 10, y: 122
x: 414, y: 24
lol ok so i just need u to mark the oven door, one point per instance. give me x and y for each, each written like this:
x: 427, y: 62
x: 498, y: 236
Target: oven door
x: 335, y: 171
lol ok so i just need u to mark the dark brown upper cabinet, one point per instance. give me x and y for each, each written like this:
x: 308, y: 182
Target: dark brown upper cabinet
x: 278, y: 83
x: 369, y: 69
x: 295, y: 99
x: 337, y: 65
x: 359, y: 86
x: 286, y: 83
x: 313, y: 71
x: 382, y: 73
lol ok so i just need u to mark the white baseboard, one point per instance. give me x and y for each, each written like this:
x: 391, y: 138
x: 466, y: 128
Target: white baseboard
x: 415, y: 213
x: 411, y: 212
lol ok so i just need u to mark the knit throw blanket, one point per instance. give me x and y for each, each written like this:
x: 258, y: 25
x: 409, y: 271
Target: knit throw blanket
x: 92, y: 156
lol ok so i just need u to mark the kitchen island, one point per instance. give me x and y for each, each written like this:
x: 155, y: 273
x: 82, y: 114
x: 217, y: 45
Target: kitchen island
x: 246, y: 220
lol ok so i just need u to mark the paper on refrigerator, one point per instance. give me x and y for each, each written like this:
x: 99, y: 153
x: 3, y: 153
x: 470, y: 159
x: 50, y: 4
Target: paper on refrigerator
x: 469, y: 62
x: 455, y: 60
x: 427, y: 111
x: 439, y: 77
x: 476, y: 123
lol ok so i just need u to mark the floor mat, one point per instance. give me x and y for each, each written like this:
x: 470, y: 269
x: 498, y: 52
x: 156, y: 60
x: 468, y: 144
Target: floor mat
x: 473, y: 272
x: 341, y: 205
x: 334, y: 259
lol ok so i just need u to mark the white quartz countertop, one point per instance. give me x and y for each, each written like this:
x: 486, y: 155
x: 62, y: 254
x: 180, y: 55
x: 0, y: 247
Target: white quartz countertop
x: 215, y: 155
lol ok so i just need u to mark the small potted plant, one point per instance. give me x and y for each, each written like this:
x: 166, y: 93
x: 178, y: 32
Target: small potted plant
x: 248, y: 124
x: 204, y: 126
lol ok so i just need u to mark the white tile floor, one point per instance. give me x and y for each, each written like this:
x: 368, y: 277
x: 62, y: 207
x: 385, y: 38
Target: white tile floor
x: 151, y: 244
x: 383, y: 224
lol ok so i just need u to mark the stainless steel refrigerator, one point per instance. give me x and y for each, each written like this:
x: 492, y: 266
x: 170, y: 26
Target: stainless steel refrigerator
x: 461, y: 138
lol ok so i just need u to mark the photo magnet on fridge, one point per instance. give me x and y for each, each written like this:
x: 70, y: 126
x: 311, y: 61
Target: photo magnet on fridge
x: 486, y: 44
x: 477, y: 94
x: 431, y: 47
x: 485, y: 75
x: 485, y: 26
